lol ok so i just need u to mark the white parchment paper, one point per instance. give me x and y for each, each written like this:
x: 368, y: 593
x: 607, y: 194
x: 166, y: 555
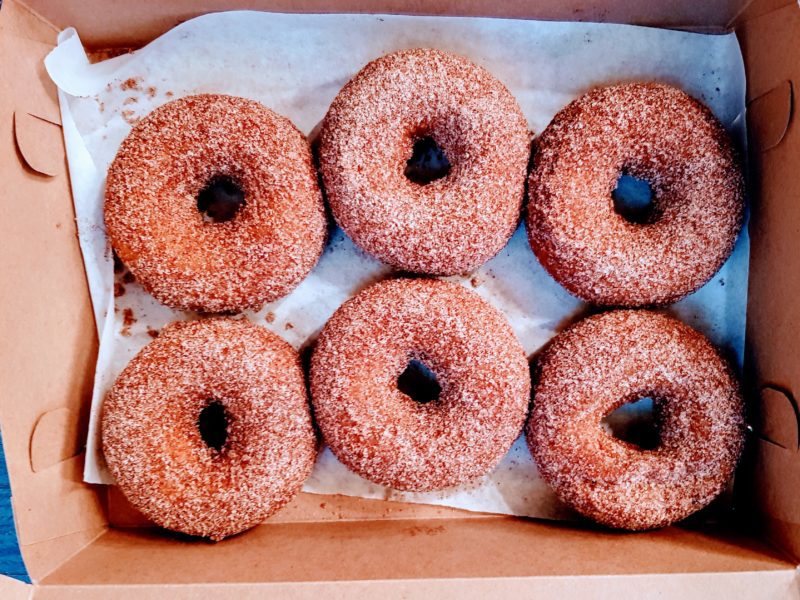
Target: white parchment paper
x: 296, y: 64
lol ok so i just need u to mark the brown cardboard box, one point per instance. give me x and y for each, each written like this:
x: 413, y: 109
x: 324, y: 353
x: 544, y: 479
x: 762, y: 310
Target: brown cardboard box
x: 337, y: 546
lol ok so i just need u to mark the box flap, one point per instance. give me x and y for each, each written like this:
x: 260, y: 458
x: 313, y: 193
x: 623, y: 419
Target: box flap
x: 772, y: 59
x: 56, y: 437
x: 48, y: 555
x: 407, y: 549
x: 40, y: 143
x: 108, y: 23
x: 769, y: 116
x: 11, y: 589
x: 776, y: 418
x: 50, y: 364
x: 22, y: 22
x: 769, y: 585
x: 756, y: 8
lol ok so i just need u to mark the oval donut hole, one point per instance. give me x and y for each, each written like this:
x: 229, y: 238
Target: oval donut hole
x: 207, y: 431
x: 213, y: 425
x: 428, y: 161
x: 419, y: 382
x: 620, y: 362
x: 633, y: 199
x: 221, y: 199
x: 635, y: 422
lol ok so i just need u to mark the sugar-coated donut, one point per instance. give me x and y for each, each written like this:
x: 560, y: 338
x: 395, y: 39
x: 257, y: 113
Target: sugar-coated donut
x: 652, y: 132
x: 384, y: 434
x: 249, y: 171
x: 613, y: 358
x: 393, y: 107
x: 207, y: 431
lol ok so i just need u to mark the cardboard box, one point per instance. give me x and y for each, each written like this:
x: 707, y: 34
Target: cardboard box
x: 340, y: 546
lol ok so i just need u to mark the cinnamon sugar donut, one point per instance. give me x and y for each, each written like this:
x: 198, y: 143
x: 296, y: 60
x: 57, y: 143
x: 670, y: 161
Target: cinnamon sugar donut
x: 613, y: 358
x: 652, y: 132
x: 404, y: 120
x: 462, y: 427
x: 207, y: 431
x: 213, y: 204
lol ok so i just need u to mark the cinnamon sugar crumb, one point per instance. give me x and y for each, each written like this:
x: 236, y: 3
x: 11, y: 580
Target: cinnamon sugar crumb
x: 132, y: 83
x: 425, y: 530
x: 130, y: 116
x: 128, y: 320
x: 270, y: 317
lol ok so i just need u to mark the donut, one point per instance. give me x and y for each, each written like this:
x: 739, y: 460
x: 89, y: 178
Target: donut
x: 423, y: 157
x: 212, y: 202
x: 651, y: 132
x: 614, y: 358
x: 207, y: 430
x: 419, y: 384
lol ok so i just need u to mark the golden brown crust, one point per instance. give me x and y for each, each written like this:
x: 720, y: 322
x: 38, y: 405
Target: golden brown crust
x: 654, y: 132
x: 383, y: 434
x: 155, y: 227
x: 617, y: 357
x: 153, y: 446
x: 449, y: 226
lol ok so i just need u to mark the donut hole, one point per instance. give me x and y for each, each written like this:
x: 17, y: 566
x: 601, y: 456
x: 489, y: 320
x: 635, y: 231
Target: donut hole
x: 633, y: 199
x: 221, y: 199
x: 213, y: 425
x: 428, y: 161
x: 635, y: 423
x: 419, y: 383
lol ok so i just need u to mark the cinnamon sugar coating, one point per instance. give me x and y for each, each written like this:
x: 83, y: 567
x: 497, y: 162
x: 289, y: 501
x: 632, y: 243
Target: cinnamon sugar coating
x: 451, y: 225
x: 617, y: 357
x: 653, y: 132
x: 384, y: 435
x: 155, y: 226
x: 153, y: 445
